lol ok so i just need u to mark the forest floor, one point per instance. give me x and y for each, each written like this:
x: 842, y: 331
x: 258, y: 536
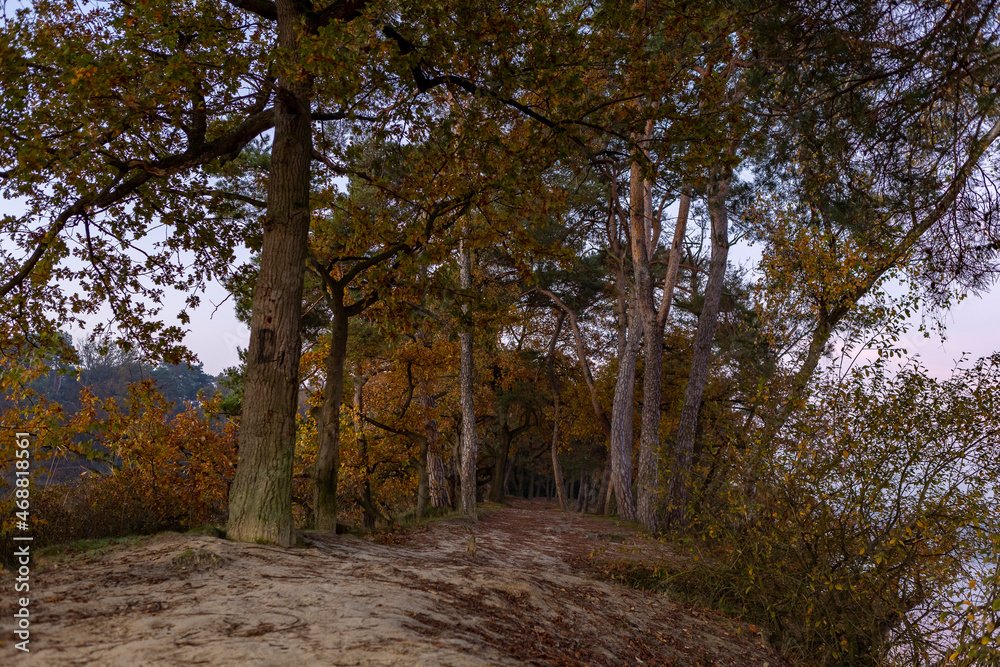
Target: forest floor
x: 527, y: 597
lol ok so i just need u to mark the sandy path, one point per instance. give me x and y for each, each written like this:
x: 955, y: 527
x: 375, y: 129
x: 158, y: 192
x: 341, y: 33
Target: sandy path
x: 525, y: 598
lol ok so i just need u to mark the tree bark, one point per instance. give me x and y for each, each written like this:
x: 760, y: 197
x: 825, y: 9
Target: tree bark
x: 260, y: 499
x: 654, y: 320
x: 621, y: 423
x: 424, y: 455
x: 680, y: 479
x: 454, y: 491
x: 438, y: 481
x: 423, y: 481
x: 557, y: 472
x: 644, y: 237
x: 437, y: 485
x: 469, y: 442
x: 328, y: 424
x: 643, y: 247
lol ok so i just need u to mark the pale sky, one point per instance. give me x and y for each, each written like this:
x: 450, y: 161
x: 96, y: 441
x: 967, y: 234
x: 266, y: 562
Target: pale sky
x: 215, y: 335
x: 972, y: 327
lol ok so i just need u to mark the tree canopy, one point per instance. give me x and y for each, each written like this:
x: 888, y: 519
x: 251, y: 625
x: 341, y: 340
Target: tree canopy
x: 472, y: 227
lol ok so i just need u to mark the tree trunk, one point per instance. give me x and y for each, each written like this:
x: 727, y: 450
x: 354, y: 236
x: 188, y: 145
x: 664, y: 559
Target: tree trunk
x: 369, y: 512
x: 557, y: 472
x: 469, y: 444
x: 649, y: 437
x: 454, y: 492
x: 605, y: 490
x: 328, y: 424
x: 423, y: 482
x: 581, y: 492
x: 582, y: 358
x: 508, y: 482
x: 680, y: 479
x: 643, y: 245
x: 621, y: 424
x: 436, y: 481
x: 644, y: 236
x: 260, y: 499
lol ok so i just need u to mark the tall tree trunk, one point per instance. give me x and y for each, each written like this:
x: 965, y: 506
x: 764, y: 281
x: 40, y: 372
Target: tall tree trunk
x: 454, y: 492
x: 557, y: 472
x: 328, y: 423
x: 508, y: 482
x: 423, y: 457
x: 437, y: 485
x: 621, y: 423
x: 469, y: 443
x: 260, y: 499
x: 438, y: 481
x: 581, y: 492
x: 644, y: 236
x: 369, y: 512
x: 643, y: 246
x: 423, y: 481
x: 649, y: 435
x: 680, y: 479
x: 644, y: 232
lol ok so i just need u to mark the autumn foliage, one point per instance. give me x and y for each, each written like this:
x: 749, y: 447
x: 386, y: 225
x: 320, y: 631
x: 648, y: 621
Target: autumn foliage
x: 866, y: 531
x: 149, y: 469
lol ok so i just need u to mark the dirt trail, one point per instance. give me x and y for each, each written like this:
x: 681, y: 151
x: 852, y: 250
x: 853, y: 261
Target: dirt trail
x: 525, y: 598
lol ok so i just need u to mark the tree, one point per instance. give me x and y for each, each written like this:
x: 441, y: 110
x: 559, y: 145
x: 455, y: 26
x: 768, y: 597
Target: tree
x: 889, y: 170
x: 177, y: 103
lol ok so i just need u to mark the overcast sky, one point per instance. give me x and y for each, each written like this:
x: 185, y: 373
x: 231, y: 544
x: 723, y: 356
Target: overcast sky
x: 972, y: 328
x: 215, y: 335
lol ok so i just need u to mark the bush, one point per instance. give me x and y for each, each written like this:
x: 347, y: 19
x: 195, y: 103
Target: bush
x: 166, y: 473
x: 867, y: 533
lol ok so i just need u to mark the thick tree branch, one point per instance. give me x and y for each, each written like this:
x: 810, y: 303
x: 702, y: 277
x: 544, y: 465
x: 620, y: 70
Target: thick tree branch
x: 416, y: 437
x: 226, y: 146
x: 581, y: 354
x: 338, y: 11
x: 262, y: 8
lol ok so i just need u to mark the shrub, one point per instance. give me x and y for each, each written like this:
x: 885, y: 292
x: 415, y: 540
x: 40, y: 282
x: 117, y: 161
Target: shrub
x: 163, y: 472
x: 867, y: 533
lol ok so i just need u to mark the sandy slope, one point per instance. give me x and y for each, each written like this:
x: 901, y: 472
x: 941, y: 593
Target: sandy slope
x: 524, y: 598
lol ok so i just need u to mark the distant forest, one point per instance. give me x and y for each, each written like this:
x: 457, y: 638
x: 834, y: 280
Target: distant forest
x: 108, y: 371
